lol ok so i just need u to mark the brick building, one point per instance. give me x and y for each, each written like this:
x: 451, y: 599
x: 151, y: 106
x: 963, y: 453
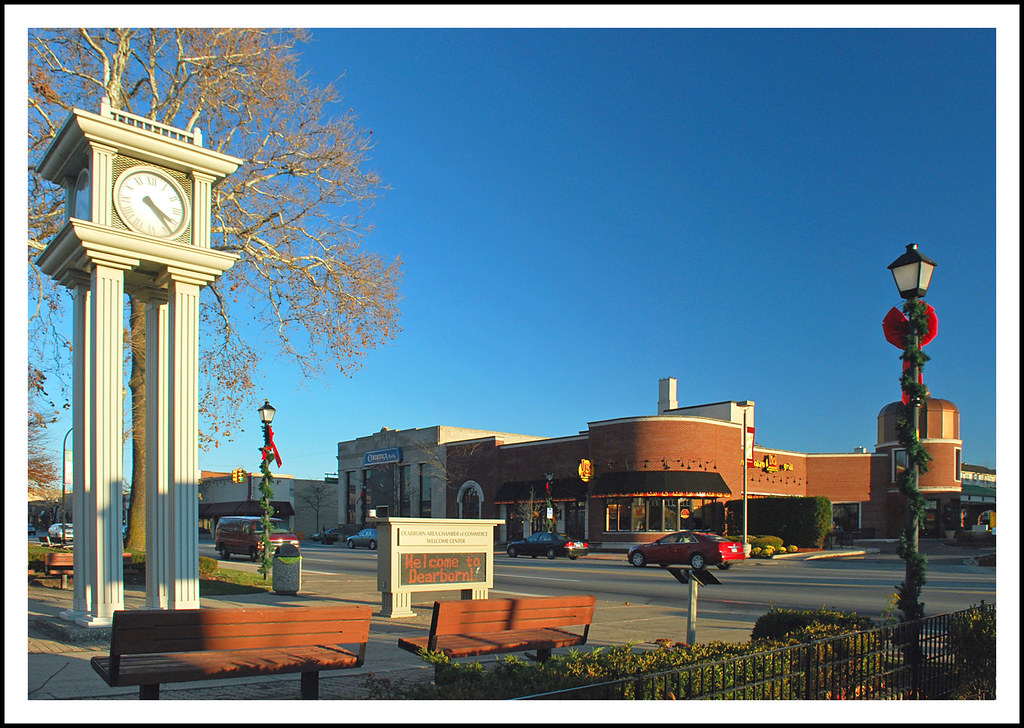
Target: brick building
x: 656, y: 473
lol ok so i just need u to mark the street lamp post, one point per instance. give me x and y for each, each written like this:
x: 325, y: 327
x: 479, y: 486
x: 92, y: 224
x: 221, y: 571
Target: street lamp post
x: 266, y: 416
x: 912, y: 273
x: 743, y: 446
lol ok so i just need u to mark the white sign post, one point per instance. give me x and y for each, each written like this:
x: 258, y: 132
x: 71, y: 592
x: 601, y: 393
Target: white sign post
x: 433, y: 554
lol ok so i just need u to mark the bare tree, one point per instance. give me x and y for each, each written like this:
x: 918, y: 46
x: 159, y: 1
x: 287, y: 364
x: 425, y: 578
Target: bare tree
x: 294, y: 212
x: 316, y: 497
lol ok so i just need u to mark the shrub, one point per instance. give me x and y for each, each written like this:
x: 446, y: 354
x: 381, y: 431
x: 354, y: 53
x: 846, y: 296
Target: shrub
x: 796, y: 520
x: 207, y: 565
x: 783, y: 624
x: 792, y: 549
x: 767, y: 552
x: 774, y: 541
x: 973, y: 636
x: 755, y: 551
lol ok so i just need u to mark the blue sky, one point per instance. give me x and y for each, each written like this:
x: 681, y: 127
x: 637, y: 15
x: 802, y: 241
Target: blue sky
x: 582, y: 212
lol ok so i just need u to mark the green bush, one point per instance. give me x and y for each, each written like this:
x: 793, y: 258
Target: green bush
x: 774, y: 541
x: 973, y: 637
x: 810, y: 624
x: 792, y: 549
x: 796, y: 520
x: 207, y: 565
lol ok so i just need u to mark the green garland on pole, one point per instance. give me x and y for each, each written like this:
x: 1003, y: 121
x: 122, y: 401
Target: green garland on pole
x: 266, y: 493
x: 909, y: 601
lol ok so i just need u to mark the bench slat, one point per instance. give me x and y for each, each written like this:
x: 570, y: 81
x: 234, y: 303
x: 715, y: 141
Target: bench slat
x: 189, y: 630
x: 476, y: 616
x: 514, y: 641
x: 186, y: 666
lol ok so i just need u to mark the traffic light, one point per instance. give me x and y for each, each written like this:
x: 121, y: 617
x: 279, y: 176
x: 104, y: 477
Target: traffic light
x: 238, y: 475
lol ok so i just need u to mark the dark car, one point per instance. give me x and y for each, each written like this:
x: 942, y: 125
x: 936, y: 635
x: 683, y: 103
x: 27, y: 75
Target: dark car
x: 367, y: 537
x: 695, y: 548
x: 547, y: 544
x: 327, y: 536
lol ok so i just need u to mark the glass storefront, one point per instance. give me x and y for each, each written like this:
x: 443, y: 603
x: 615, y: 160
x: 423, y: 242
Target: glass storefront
x: 638, y: 515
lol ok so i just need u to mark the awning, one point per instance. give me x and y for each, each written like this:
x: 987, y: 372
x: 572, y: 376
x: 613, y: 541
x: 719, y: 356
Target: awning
x: 282, y: 509
x: 660, y: 483
x: 564, y: 489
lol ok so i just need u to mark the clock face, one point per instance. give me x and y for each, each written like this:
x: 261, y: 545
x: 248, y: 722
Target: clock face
x: 150, y: 202
x: 83, y: 197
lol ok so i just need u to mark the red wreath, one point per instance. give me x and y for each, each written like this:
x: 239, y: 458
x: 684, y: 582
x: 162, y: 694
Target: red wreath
x: 895, y: 326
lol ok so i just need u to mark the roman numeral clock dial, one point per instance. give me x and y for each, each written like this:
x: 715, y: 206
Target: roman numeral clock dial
x: 150, y: 202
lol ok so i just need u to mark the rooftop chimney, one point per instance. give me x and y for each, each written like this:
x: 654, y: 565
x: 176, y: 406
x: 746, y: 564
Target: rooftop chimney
x: 667, y: 395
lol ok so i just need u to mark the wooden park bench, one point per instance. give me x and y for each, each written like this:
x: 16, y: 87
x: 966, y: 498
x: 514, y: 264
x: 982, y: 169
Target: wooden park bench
x: 63, y: 563
x: 465, y: 628
x: 150, y: 647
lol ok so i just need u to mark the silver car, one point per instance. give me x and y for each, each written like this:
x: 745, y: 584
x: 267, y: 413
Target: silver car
x: 367, y: 537
x: 69, y: 531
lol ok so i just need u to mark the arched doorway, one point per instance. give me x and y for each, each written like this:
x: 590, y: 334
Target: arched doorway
x: 470, y: 500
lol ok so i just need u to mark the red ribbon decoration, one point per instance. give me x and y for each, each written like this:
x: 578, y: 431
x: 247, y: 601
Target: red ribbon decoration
x: 895, y: 327
x: 271, y: 448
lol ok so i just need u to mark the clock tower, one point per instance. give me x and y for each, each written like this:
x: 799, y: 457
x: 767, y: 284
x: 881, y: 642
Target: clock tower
x: 137, y: 222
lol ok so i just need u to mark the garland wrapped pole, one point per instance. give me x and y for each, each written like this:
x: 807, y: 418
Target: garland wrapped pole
x: 912, y: 272
x: 268, y: 451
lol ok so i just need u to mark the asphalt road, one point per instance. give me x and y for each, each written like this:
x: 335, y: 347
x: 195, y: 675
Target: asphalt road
x: 859, y: 584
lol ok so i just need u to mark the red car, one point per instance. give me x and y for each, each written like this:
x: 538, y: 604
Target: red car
x: 696, y: 548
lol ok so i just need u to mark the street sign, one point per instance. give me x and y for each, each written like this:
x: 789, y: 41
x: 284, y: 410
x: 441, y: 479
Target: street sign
x: 695, y: 578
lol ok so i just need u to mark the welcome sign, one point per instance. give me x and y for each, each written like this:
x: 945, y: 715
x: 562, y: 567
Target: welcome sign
x: 433, y: 554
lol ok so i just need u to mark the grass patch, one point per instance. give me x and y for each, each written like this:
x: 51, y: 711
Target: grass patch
x: 219, y: 582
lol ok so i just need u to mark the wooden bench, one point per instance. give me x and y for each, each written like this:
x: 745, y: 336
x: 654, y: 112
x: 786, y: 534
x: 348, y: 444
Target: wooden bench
x: 63, y: 563
x: 150, y: 647
x: 465, y: 628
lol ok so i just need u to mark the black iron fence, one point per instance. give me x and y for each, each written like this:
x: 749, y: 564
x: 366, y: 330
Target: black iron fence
x: 909, y: 660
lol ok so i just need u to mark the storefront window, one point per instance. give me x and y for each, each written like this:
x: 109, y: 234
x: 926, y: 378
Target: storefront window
x: 654, y: 511
x: 651, y: 514
x: 846, y: 516
x: 671, y: 514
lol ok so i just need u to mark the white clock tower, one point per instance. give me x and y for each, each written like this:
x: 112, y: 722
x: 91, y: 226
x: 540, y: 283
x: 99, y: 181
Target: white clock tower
x: 137, y: 222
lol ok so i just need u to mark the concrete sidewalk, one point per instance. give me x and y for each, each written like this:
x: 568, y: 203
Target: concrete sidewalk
x: 59, y: 651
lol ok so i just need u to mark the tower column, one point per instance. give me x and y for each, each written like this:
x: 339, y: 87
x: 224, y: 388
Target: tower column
x: 158, y: 507
x: 182, y: 437
x: 103, y: 399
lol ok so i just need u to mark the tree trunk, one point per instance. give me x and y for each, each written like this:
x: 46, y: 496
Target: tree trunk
x: 136, y: 539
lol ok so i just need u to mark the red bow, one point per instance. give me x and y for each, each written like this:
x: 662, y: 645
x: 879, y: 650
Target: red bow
x: 895, y: 326
x: 271, y: 448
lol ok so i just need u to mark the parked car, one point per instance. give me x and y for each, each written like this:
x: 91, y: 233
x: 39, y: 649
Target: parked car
x: 31, y: 530
x: 327, y: 536
x: 696, y: 548
x: 244, y: 535
x: 547, y: 544
x: 69, y: 531
x: 367, y: 537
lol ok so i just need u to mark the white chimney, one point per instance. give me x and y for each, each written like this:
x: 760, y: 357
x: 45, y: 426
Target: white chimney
x: 667, y: 395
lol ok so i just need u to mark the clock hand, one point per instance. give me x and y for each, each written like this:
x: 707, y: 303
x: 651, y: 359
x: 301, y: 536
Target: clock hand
x: 164, y: 218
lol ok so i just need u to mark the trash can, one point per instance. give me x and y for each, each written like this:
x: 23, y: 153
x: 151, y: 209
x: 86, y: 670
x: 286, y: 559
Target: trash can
x: 287, y: 570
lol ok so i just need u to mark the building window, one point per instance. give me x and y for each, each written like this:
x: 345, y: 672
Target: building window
x: 424, y: 493
x: 899, y: 463
x: 957, y: 472
x: 637, y: 515
x: 846, y: 516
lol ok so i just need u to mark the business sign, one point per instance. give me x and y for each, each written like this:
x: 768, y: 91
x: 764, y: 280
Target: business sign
x: 433, y: 554
x: 445, y: 568
x: 382, y: 457
x: 586, y: 470
x: 771, y: 464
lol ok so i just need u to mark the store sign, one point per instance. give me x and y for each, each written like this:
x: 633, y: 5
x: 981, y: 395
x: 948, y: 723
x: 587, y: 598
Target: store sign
x: 382, y: 457
x: 586, y: 470
x: 770, y: 464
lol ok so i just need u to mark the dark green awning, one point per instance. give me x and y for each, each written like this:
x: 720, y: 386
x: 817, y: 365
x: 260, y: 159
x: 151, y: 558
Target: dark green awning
x: 660, y: 483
